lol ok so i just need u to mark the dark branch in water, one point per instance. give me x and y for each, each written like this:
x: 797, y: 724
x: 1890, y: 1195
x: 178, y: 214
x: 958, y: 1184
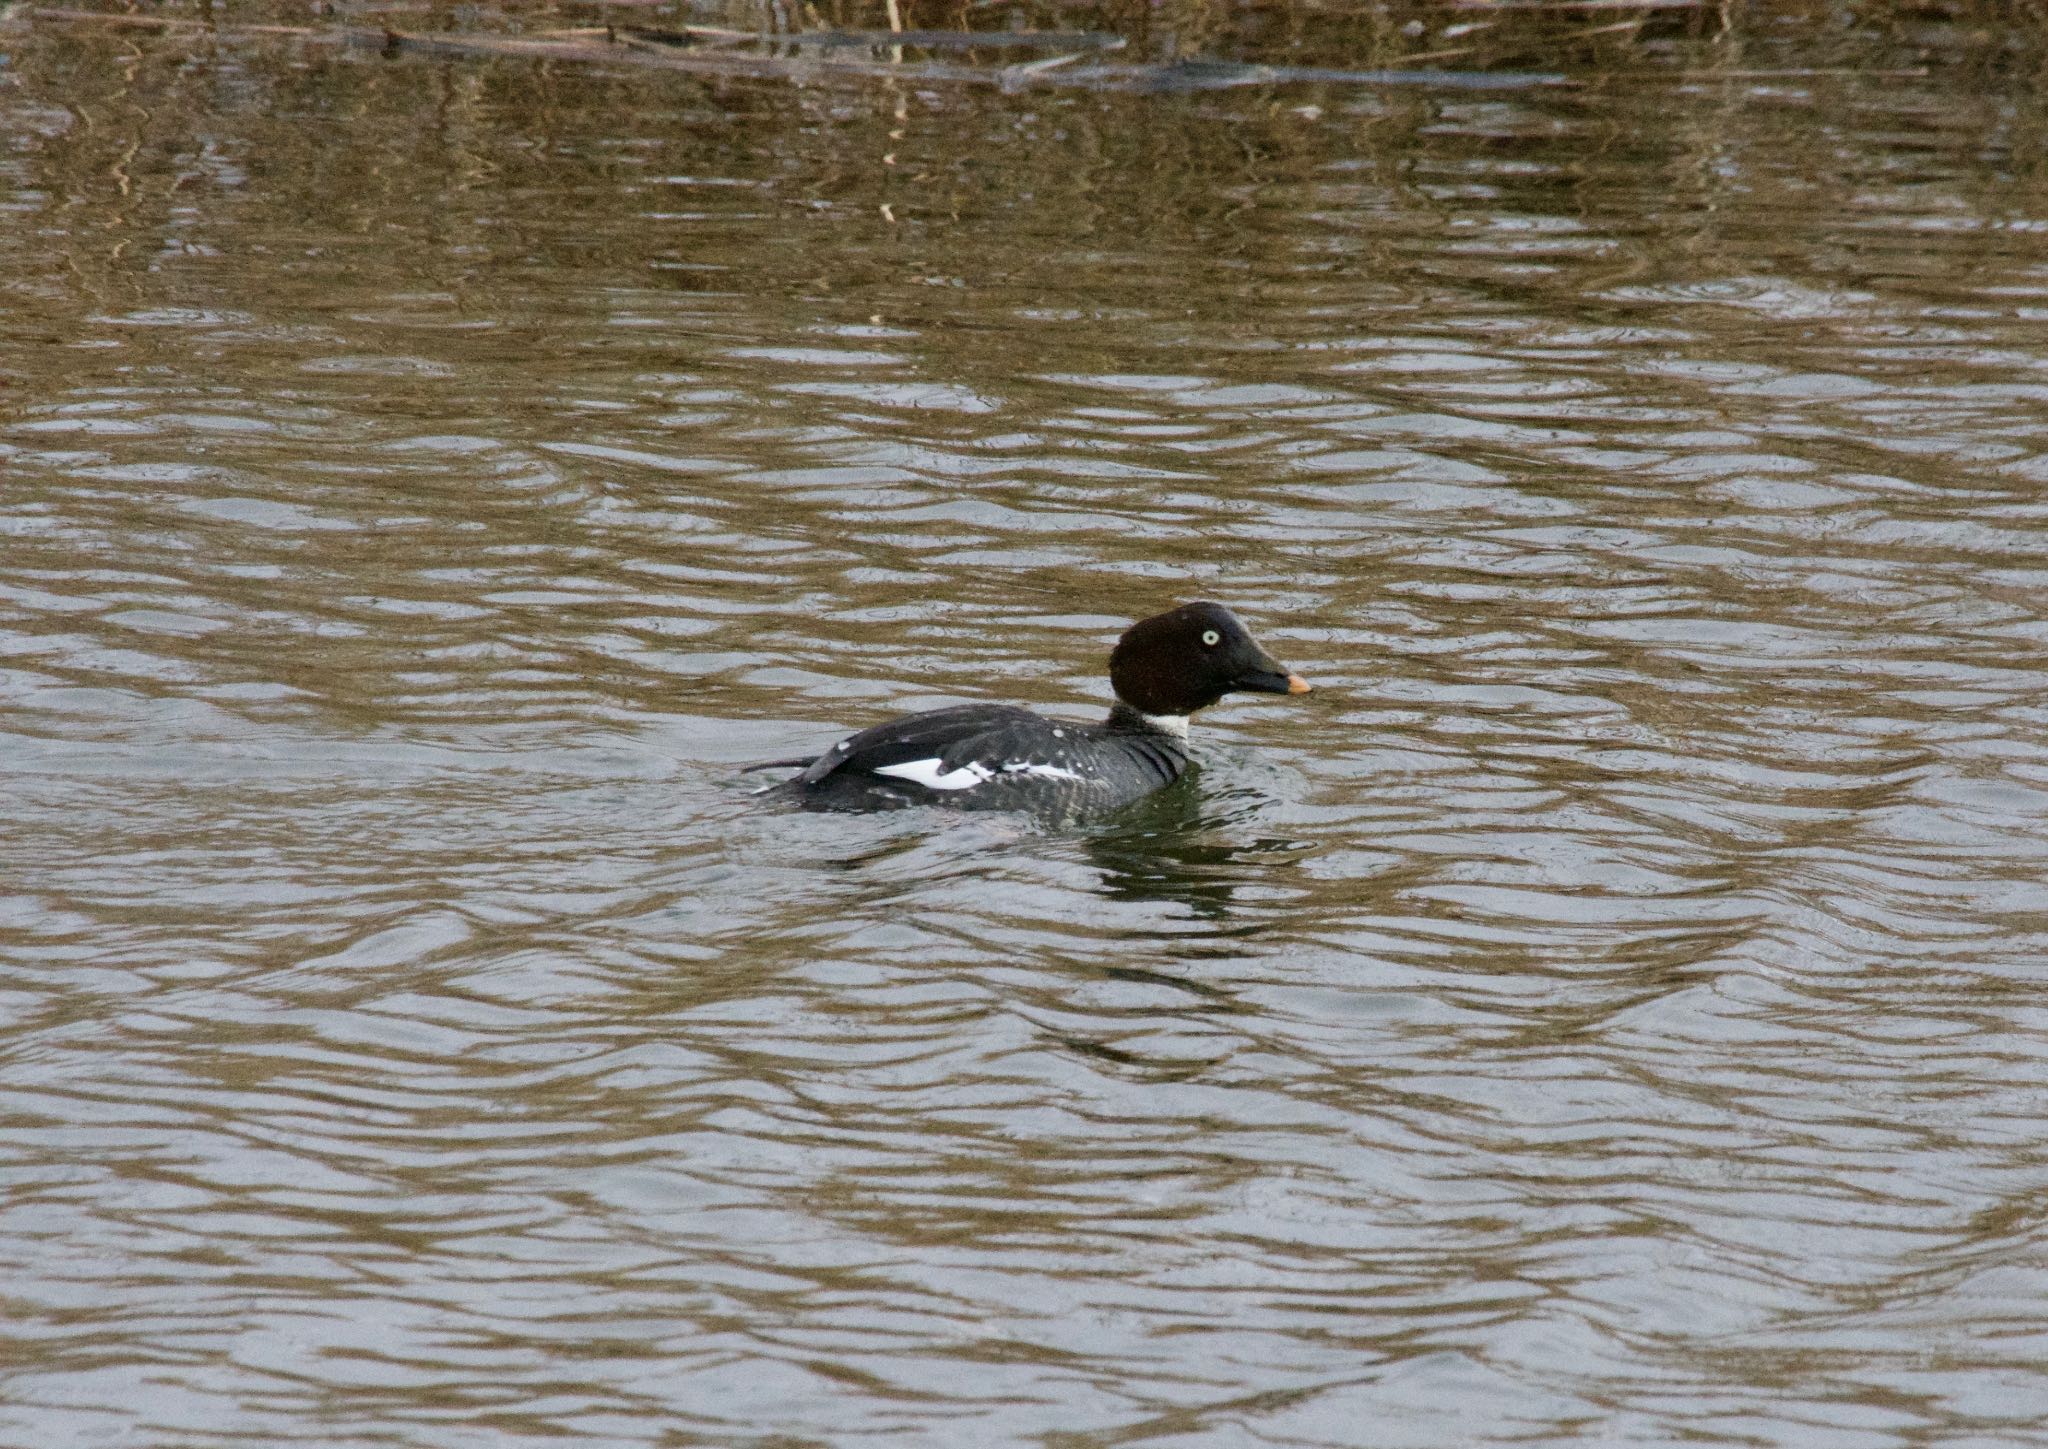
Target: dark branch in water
x: 934, y: 39
x: 820, y: 57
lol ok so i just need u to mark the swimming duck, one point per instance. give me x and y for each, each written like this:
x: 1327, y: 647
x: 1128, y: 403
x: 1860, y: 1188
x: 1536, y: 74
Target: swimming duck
x: 1000, y: 757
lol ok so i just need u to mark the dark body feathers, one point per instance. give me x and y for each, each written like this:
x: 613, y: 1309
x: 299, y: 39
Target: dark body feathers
x: 992, y: 757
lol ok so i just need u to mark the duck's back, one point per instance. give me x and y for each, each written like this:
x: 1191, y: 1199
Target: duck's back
x: 989, y: 757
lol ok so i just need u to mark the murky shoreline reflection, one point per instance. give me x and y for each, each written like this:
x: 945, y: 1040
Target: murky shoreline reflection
x: 1609, y: 1010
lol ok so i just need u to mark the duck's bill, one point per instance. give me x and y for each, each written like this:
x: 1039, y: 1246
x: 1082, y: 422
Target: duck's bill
x: 1272, y: 681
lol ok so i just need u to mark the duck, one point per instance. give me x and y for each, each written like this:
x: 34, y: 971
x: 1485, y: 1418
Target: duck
x: 1001, y: 757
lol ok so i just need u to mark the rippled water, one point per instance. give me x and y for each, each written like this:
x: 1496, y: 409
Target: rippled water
x: 1609, y: 1008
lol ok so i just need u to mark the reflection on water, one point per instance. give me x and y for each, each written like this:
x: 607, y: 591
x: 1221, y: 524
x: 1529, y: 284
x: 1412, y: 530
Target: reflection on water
x: 1608, y: 1006
x: 1191, y: 846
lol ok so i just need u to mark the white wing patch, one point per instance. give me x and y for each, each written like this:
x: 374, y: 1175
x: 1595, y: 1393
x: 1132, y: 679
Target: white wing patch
x: 1043, y: 772
x: 928, y: 774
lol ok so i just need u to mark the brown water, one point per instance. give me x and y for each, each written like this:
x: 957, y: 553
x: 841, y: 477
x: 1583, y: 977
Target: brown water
x: 1610, y: 1008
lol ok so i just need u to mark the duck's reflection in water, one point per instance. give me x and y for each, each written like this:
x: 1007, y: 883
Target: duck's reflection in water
x: 1192, y: 848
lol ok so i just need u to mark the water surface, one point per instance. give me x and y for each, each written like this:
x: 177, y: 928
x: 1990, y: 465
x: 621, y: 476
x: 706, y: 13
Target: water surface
x: 1609, y: 1008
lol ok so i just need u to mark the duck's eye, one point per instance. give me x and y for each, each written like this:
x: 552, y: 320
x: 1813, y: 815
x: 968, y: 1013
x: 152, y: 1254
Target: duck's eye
x: 1211, y: 638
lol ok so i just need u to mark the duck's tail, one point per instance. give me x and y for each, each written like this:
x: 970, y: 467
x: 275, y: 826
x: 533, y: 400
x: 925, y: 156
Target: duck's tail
x: 774, y: 765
